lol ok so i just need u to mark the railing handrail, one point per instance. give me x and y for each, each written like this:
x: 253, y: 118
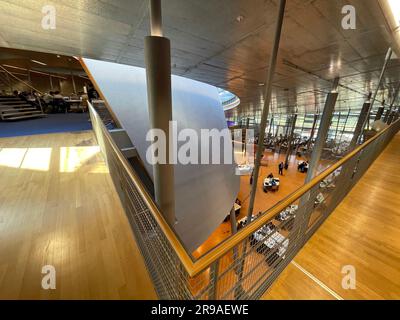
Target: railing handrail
x: 22, y: 81
x: 195, y: 267
x: 231, y: 100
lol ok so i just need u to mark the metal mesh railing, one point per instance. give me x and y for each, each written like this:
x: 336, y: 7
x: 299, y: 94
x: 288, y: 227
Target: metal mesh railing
x: 246, y: 264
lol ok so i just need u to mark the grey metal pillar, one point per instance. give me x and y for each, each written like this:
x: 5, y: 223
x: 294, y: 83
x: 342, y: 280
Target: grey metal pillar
x: 73, y: 82
x: 392, y: 117
x: 344, y: 126
x: 29, y: 80
x: 381, y: 109
x: 270, y: 125
x: 337, y: 125
x: 386, y: 116
x: 360, y: 123
x: 232, y: 217
x: 278, y: 125
x: 323, y: 131
x: 312, y: 131
x: 396, y: 114
x: 287, y: 127
x: 387, y: 59
x: 51, y: 83
x: 267, y: 100
x: 10, y: 83
x: 247, y: 123
x: 158, y: 75
x: 155, y: 18
x: 289, y: 147
x: 396, y: 93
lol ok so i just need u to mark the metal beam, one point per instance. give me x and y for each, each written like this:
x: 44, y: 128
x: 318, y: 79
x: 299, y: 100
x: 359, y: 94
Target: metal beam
x: 344, y: 126
x: 323, y: 131
x: 360, y: 123
x: 155, y: 18
x: 312, y: 131
x: 267, y: 101
x: 337, y: 125
x: 387, y: 59
x: 380, y: 111
x: 396, y: 93
x: 51, y: 83
x: 290, y: 139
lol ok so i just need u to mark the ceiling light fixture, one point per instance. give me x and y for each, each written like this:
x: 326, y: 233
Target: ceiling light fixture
x: 39, y: 62
x: 239, y: 18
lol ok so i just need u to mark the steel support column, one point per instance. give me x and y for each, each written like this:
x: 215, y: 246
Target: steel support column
x: 10, y: 83
x: 337, y: 125
x: 344, y: 126
x: 323, y: 131
x: 396, y: 93
x: 387, y: 59
x: 158, y: 75
x: 29, y: 80
x: 270, y: 125
x: 380, y: 111
x: 312, y: 131
x: 267, y: 100
x: 360, y: 123
x: 73, y: 82
x: 51, y: 83
x: 290, y: 139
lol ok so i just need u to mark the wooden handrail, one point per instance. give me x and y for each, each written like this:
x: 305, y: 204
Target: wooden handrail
x: 192, y: 267
x: 22, y: 81
x: 93, y: 80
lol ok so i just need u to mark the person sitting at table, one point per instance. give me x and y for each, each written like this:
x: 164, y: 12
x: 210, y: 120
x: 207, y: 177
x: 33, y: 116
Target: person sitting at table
x: 300, y: 167
x: 59, y: 103
x: 48, y: 99
x: 270, y: 176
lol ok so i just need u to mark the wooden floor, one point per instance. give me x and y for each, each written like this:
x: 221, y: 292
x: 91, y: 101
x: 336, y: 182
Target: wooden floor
x: 58, y: 207
x: 364, y: 232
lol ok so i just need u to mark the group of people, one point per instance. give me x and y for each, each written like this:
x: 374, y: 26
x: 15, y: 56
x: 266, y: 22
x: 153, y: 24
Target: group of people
x: 53, y: 101
x: 281, y: 166
x: 303, y: 166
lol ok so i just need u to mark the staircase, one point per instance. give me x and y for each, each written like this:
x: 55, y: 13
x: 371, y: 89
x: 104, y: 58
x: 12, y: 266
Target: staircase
x: 15, y: 108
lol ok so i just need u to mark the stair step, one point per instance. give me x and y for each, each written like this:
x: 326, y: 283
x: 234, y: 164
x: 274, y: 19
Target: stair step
x: 19, y: 113
x: 12, y: 102
x: 15, y: 105
x: 9, y: 98
x: 20, y: 109
x: 26, y: 117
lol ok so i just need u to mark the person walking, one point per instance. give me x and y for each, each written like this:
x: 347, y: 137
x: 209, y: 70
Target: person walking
x: 280, y: 167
